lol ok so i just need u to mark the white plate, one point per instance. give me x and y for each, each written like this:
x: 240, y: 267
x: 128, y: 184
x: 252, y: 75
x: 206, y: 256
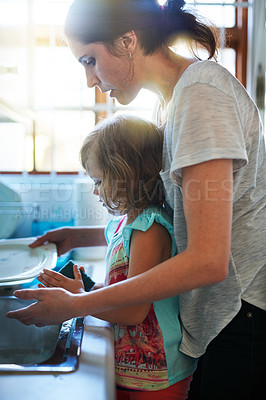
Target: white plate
x: 18, y: 262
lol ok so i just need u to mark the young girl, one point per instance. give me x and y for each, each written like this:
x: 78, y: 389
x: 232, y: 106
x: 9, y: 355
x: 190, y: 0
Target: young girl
x: 123, y: 157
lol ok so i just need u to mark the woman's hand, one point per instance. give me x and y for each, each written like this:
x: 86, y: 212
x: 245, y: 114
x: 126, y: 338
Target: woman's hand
x: 51, y: 278
x: 53, y: 306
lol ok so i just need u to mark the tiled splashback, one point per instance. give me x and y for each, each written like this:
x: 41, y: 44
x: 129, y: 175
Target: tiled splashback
x: 50, y: 202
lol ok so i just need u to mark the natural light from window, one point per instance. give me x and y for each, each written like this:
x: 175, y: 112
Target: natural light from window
x: 39, y: 74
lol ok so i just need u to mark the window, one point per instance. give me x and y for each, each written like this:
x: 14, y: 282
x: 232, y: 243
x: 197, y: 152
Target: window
x: 45, y: 107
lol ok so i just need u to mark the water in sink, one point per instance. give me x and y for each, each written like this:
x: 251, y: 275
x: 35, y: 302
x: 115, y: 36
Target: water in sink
x: 21, y: 344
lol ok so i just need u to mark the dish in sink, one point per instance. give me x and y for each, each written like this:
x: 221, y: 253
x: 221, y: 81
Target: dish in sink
x: 24, y: 348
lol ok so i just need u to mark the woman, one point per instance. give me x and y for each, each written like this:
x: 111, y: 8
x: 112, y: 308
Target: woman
x: 214, y: 179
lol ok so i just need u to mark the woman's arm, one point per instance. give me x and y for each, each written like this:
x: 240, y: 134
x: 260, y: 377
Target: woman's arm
x: 147, y: 249
x: 208, y: 195
x: 67, y: 239
x: 208, y: 205
x: 207, y: 200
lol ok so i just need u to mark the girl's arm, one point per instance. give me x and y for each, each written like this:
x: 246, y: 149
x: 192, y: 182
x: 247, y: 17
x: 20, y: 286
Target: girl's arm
x: 147, y: 249
x: 207, y: 200
x: 67, y: 239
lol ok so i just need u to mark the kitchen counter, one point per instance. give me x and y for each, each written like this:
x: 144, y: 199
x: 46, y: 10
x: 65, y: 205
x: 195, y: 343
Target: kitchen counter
x: 94, y: 379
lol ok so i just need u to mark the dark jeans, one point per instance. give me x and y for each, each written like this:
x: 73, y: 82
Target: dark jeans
x: 234, y: 365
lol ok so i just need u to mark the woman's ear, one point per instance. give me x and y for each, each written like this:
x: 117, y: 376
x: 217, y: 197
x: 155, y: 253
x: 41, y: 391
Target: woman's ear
x: 129, y: 41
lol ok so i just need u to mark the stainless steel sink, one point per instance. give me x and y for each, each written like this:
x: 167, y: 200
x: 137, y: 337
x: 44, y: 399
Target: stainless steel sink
x: 30, y: 349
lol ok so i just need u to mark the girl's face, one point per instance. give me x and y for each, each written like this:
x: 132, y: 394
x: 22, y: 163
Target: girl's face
x: 96, y: 174
x: 109, y: 73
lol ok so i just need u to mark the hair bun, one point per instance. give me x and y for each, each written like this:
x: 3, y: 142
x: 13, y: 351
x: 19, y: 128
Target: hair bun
x: 174, y: 5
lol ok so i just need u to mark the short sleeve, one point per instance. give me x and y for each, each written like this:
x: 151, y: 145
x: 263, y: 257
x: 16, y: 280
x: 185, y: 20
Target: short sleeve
x: 206, y: 125
x: 144, y: 221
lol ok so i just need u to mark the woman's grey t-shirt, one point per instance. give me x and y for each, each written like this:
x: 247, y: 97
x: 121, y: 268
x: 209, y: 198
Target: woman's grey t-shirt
x: 211, y: 116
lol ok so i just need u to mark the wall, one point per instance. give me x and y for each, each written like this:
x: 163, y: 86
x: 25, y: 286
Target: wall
x: 48, y: 202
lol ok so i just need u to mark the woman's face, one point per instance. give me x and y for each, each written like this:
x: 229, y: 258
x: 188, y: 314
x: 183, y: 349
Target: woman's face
x: 113, y: 74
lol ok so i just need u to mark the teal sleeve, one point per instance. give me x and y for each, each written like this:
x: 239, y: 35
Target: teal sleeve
x: 144, y: 221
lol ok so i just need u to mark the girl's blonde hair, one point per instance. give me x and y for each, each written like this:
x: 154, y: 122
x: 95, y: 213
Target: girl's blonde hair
x: 128, y: 150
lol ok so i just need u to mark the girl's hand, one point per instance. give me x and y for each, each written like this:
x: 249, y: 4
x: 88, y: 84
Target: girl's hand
x: 67, y: 239
x: 51, y: 278
x: 53, y: 306
x: 62, y: 238
x: 98, y: 286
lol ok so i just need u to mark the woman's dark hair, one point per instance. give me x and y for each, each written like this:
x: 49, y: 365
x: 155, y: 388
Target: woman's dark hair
x: 156, y: 26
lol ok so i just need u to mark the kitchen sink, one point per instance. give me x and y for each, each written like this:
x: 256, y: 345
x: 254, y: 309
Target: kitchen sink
x: 48, y: 349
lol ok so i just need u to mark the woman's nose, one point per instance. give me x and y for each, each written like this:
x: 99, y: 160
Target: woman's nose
x: 95, y: 191
x: 92, y: 79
